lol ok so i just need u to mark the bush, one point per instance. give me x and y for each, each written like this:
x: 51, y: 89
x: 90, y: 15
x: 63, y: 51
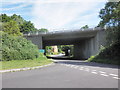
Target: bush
x: 108, y: 55
x: 112, y: 52
x: 17, y: 48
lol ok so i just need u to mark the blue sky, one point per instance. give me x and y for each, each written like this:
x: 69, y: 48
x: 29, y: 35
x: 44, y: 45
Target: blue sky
x: 56, y: 14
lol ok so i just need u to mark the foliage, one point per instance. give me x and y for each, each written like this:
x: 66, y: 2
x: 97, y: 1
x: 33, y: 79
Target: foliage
x: 65, y: 48
x: 17, y: 48
x: 111, y: 52
x: 19, y: 20
x: 85, y: 27
x: 11, y: 28
x: 108, y: 55
x: 110, y: 16
x: 23, y: 25
x: 107, y: 61
x: 43, y: 30
x: 48, y: 50
x: 4, y: 18
x: 26, y: 27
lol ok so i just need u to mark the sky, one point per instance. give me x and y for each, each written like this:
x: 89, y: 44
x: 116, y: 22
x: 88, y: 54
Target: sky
x: 56, y: 14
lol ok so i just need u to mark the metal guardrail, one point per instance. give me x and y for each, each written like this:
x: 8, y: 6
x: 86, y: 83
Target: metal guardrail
x: 60, y: 31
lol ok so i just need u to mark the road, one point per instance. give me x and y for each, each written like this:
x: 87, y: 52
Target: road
x: 64, y: 74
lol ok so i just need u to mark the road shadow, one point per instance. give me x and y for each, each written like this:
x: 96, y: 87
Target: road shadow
x: 83, y: 62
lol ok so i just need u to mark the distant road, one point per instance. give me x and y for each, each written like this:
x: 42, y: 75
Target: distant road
x: 65, y: 74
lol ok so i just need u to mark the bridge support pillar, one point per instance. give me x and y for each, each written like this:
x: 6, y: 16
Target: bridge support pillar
x: 37, y: 40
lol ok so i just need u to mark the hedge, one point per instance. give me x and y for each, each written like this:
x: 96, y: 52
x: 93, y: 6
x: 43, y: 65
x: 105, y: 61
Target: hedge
x: 17, y: 48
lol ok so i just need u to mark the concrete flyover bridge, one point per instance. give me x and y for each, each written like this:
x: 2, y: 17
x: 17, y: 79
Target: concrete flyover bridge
x: 86, y: 42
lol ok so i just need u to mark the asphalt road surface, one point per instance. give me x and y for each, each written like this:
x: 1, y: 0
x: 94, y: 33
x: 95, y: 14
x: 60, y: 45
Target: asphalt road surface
x: 65, y: 74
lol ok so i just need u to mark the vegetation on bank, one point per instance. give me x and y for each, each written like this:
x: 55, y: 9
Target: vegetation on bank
x: 16, y: 51
x: 17, y: 48
x: 110, y: 16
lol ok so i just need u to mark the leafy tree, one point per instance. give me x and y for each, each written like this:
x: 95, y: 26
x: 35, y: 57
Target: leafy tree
x: 85, y: 27
x: 18, y: 19
x: 17, y: 48
x: 110, y: 17
x: 4, y: 18
x: 27, y: 26
x: 43, y: 30
x: 23, y: 25
x: 11, y: 28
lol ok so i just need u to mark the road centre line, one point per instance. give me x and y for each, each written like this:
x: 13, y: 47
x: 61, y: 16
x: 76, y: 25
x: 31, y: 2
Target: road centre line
x: 104, y: 75
x: 102, y: 72
x: 94, y: 72
x: 113, y: 75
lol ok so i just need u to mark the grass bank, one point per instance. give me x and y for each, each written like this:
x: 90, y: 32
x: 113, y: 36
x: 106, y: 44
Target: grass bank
x: 105, y: 61
x: 14, y: 64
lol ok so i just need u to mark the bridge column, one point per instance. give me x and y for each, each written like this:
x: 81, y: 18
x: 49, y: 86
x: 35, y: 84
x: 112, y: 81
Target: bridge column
x: 79, y: 50
x: 37, y: 40
x: 83, y: 49
x: 88, y: 47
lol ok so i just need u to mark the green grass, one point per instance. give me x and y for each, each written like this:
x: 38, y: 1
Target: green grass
x: 105, y: 61
x: 14, y: 64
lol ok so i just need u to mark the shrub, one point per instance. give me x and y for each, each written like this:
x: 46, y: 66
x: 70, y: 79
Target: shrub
x: 18, y: 48
x: 109, y: 55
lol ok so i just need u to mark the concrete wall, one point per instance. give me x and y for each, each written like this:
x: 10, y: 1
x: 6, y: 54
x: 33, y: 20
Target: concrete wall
x: 86, y: 48
x: 36, y: 39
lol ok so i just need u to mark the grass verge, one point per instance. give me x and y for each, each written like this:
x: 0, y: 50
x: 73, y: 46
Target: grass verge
x: 14, y: 64
x: 105, y: 61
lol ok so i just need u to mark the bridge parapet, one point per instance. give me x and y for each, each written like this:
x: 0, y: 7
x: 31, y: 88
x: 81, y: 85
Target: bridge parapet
x: 60, y: 31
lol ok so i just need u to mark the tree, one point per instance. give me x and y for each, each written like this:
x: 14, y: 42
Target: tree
x: 43, y: 30
x: 27, y: 26
x: 85, y: 27
x: 4, y: 18
x: 110, y: 17
x: 18, y: 19
x: 11, y: 28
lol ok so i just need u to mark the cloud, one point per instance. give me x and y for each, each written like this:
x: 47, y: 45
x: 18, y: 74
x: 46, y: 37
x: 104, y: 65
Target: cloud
x: 14, y: 8
x: 60, y: 14
x: 55, y: 14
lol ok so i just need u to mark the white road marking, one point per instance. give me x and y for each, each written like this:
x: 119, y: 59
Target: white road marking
x: 102, y: 72
x: 104, y: 75
x: 94, y: 72
x: 113, y: 75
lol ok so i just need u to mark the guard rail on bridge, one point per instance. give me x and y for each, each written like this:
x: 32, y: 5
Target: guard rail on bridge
x: 60, y: 31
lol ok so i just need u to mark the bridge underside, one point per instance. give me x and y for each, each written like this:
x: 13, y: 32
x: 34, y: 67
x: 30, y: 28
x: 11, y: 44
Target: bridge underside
x: 86, y: 43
